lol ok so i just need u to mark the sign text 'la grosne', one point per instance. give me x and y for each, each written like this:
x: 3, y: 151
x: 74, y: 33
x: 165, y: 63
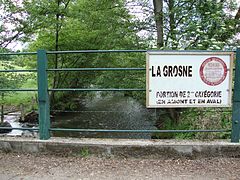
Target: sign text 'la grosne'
x: 200, y: 79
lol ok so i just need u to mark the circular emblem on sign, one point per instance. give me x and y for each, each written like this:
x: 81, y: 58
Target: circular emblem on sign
x: 213, y: 71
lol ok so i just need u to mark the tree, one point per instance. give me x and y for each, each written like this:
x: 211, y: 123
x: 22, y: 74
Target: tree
x: 13, y: 24
x: 76, y: 25
x: 8, y: 80
x: 158, y: 11
x: 190, y: 24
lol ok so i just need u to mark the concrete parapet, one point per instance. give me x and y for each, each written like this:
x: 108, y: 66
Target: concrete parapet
x: 122, y: 147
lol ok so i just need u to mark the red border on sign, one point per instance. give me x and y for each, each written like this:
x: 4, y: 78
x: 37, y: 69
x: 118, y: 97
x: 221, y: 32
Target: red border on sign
x: 212, y: 83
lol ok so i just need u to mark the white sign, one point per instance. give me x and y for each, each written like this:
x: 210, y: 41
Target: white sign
x: 184, y: 79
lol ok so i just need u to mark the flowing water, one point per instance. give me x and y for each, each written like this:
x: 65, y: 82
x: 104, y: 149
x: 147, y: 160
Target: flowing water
x: 12, y: 118
x: 116, y: 112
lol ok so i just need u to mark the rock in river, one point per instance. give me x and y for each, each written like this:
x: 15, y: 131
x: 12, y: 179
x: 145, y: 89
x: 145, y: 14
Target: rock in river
x: 5, y: 124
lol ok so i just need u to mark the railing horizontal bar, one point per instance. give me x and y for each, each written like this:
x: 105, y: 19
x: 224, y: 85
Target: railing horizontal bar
x: 217, y: 111
x: 109, y: 51
x: 18, y: 53
x: 23, y: 128
x: 19, y: 70
x: 192, y: 51
x: 98, y: 69
x: 137, y: 131
x: 10, y: 114
x: 94, y: 51
x: 127, y: 51
x: 64, y: 111
x: 18, y: 90
x: 76, y: 89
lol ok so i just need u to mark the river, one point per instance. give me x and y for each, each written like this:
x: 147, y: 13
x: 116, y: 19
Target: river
x: 12, y: 118
x: 113, y: 112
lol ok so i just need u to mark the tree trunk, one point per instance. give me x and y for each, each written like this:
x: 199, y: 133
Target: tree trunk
x: 237, y: 16
x: 172, y: 23
x: 59, y: 20
x: 55, y: 78
x: 158, y: 12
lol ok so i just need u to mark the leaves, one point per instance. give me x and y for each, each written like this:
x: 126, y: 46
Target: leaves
x: 108, y: 24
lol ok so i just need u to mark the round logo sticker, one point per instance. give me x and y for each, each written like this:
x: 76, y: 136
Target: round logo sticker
x: 213, y: 71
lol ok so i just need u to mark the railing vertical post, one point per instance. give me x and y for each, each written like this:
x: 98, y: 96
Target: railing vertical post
x: 236, y: 101
x: 43, y: 99
x: 2, y: 109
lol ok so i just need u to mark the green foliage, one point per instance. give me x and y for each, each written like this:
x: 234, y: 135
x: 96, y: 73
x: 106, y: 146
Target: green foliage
x: 187, y: 24
x: 9, y: 79
x: 13, y: 24
x: 26, y: 98
x: 15, y: 80
x: 207, y: 118
x: 85, y: 25
x: 112, y: 24
x: 197, y: 119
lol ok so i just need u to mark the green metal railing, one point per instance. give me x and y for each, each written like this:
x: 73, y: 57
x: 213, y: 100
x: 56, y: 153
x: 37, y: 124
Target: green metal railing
x: 43, y: 93
x: 236, y: 101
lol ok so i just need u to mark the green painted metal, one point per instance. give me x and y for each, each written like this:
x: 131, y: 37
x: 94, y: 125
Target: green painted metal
x: 18, y: 90
x: 71, y: 111
x: 18, y: 53
x: 138, y: 131
x: 19, y: 70
x: 83, y: 111
x: 110, y: 89
x: 43, y: 99
x: 129, y: 51
x: 236, y: 101
x: 96, y: 51
x: 106, y: 51
x: 2, y: 108
x: 22, y: 128
x: 98, y: 69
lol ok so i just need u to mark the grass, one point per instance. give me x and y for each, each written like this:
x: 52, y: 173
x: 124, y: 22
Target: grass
x: 84, y: 152
x: 28, y: 99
